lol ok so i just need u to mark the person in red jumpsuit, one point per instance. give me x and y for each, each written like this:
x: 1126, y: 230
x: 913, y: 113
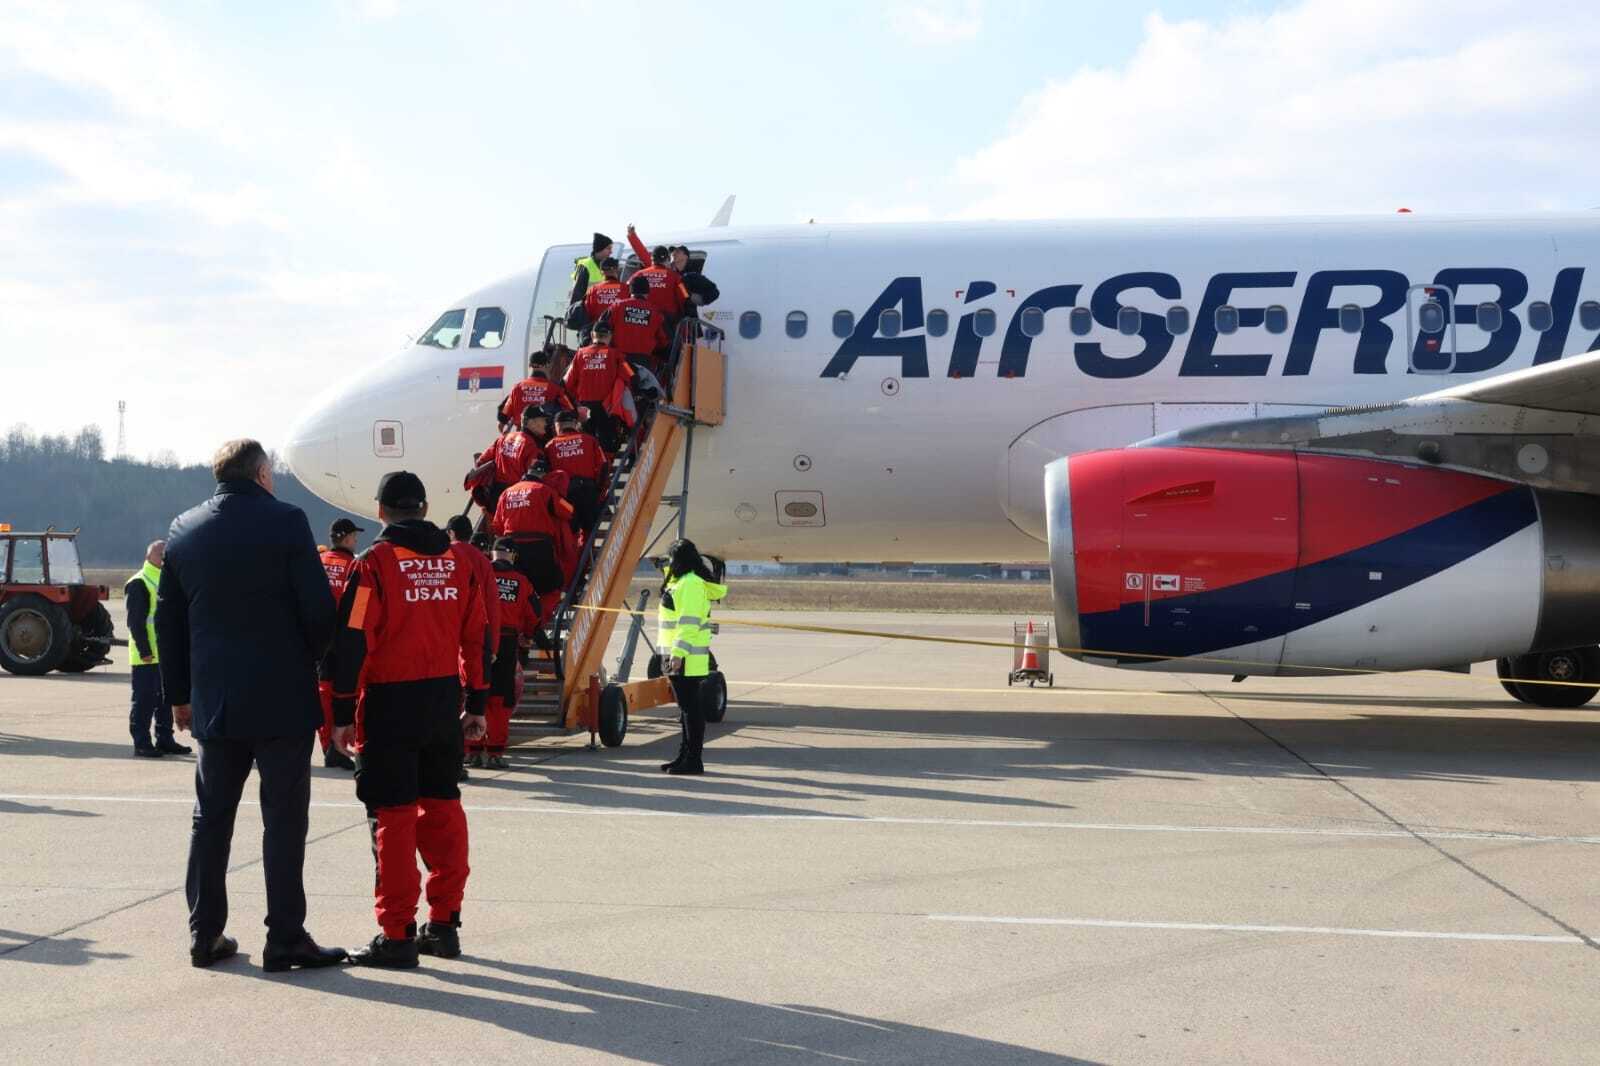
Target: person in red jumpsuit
x: 539, y: 521
x: 535, y: 390
x: 519, y: 620
x: 598, y: 380
x: 578, y: 455
x: 504, y: 462
x: 667, y: 293
x: 639, y: 330
x: 337, y: 561
x: 600, y: 298
x: 411, y: 614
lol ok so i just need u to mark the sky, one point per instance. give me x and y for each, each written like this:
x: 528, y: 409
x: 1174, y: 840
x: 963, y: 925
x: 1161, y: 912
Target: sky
x: 213, y: 210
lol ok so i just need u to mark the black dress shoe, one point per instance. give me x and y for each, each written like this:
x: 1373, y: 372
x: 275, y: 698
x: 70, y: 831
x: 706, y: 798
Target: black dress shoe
x: 306, y: 954
x: 334, y: 759
x: 667, y: 766
x: 439, y: 939
x: 687, y: 766
x: 172, y: 747
x: 147, y: 751
x: 202, y: 954
x: 388, y: 954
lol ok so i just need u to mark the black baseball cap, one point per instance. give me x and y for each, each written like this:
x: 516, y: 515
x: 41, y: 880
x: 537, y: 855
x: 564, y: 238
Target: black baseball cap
x: 565, y: 417
x: 343, y: 527
x: 602, y: 326
x: 505, y: 544
x: 609, y: 263
x: 532, y: 411
x: 402, y: 489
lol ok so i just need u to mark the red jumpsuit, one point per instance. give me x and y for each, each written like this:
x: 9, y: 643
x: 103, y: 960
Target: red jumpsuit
x: 412, y: 612
x: 513, y: 453
x: 519, y: 618
x: 579, y: 457
x: 667, y: 293
x: 535, y: 516
x: 532, y: 392
x: 338, y: 563
x: 638, y: 329
x: 602, y: 297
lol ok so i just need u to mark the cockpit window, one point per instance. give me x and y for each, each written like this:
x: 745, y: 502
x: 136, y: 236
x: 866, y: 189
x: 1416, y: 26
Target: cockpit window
x: 446, y: 332
x: 488, y: 328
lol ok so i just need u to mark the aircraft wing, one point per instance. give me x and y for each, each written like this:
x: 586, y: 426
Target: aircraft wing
x: 1539, y: 426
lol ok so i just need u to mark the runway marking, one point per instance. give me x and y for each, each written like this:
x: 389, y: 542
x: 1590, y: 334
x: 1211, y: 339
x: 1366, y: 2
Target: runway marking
x: 1063, y: 691
x: 846, y: 819
x: 1225, y: 927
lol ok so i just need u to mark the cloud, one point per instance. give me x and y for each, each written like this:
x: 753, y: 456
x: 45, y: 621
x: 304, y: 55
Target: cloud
x: 933, y: 24
x: 1326, y: 106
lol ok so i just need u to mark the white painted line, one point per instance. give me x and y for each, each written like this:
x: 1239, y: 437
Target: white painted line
x: 1222, y: 927
x: 847, y: 819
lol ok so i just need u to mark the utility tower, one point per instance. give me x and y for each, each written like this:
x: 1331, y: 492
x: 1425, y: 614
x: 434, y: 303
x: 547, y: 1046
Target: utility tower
x: 122, y: 429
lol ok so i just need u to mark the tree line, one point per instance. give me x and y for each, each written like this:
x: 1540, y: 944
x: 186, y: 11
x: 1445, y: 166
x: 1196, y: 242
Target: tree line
x: 121, y: 504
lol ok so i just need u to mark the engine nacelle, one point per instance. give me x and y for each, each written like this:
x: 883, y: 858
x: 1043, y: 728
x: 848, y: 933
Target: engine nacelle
x: 1287, y: 563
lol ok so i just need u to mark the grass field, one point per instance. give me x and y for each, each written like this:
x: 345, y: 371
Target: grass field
x: 824, y: 594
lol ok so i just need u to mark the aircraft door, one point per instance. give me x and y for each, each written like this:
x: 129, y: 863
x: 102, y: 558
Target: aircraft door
x: 1431, y: 329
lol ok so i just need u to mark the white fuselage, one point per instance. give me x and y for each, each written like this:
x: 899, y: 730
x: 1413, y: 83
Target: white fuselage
x: 906, y: 461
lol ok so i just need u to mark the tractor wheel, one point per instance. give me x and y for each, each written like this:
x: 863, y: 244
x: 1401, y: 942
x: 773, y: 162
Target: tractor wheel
x: 714, y: 696
x: 35, y: 635
x: 613, y: 716
x: 1581, y: 665
x: 93, y: 643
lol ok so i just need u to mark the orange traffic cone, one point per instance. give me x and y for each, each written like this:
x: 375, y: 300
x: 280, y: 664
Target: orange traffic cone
x: 1030, y: 653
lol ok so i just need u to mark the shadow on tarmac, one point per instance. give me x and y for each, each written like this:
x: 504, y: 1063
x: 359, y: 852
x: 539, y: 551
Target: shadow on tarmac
x: 51, y: 951
x: 651, y: 1023
x: 13, y: 807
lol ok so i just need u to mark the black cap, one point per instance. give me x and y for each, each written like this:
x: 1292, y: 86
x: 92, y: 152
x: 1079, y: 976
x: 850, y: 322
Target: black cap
x: 505, y: 544
x: 343, y: 527
x: 539, y: 468
x: 609, y: 263
x: 639, y: 286
x: 564, y: 418
x: 659, y: 253
x: 402, y: 489
x: 603, y: 325
x: 531, y: 412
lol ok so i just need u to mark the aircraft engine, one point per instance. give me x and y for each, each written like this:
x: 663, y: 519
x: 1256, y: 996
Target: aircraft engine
x: 1289, y: 563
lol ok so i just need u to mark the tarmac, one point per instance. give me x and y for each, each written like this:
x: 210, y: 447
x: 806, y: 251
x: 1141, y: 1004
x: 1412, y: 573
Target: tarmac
x: 893, y: 857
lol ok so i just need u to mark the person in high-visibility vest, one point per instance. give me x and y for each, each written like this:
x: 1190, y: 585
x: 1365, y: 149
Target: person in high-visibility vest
x: 683, y: 633
x: 149, y: 703
x: 587, y: 272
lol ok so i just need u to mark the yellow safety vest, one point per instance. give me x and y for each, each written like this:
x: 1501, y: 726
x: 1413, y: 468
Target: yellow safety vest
x: 150, y: 574
x: 588, y: 265
x: 684, y: 629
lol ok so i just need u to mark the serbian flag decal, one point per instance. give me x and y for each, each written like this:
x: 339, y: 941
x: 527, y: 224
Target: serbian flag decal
x: 474, y: 378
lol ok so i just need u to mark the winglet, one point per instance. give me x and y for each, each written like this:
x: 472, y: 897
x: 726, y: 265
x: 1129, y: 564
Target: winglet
x: 724, y: 213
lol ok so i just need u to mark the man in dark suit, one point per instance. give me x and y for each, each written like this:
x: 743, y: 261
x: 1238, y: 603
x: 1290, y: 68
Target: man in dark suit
x: 243, y: 615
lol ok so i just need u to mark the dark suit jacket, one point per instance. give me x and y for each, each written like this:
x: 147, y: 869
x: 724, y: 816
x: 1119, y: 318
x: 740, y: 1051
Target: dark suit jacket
x: 243, y: 615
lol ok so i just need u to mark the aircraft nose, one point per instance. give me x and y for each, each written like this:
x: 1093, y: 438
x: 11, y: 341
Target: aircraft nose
x: 313, y: 456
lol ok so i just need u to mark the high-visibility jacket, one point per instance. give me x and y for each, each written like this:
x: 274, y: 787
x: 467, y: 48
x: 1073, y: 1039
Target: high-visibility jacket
x: 587, y: 265
x: 683, y: 622
x: 148, y: 579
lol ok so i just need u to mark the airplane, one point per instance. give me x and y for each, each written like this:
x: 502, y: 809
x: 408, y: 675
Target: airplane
x: 1259, y: 446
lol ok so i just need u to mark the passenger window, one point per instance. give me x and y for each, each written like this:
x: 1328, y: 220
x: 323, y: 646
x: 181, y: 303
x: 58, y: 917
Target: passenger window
x: 938, y: 323
x: 844, y: 324
x: 1430, y: 317
x: 1541, y: 317
x: 1589, y: 314
x: 488, y: 328
x: 1080, y: 321
x: 446, y: 332
x: 1351, y: 318
x: 1489, y: 317
x: 750, y: 325
x: 1128, y: 321
x: 1032, y: 321
x: 889, y: 323
x: 794, y: 324
x: 983, y: 323
x: 1177, y: 321
x: 1276, y: 318
x: 1226, y: 319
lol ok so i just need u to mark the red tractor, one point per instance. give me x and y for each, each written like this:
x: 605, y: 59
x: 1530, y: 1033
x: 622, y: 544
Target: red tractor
x: 49, y: 619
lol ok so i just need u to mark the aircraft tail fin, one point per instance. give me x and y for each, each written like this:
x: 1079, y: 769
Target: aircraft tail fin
x: 724, y: 213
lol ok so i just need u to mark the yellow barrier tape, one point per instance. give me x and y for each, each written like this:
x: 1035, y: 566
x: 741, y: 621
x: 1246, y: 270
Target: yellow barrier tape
x: 800, y: 627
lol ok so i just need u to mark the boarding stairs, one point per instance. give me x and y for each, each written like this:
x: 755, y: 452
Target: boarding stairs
x: 568, y: 683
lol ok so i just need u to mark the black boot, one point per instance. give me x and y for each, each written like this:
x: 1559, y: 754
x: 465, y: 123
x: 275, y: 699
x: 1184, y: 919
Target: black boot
x: 676, y: 760
x: 334, y: 759
x: 168, y: 746
x: 687, y: 766
x: 307, y: 954
x: 389, y: 954
x: 440, y: 939
x: 147, y: 751
x: 203, y: 952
